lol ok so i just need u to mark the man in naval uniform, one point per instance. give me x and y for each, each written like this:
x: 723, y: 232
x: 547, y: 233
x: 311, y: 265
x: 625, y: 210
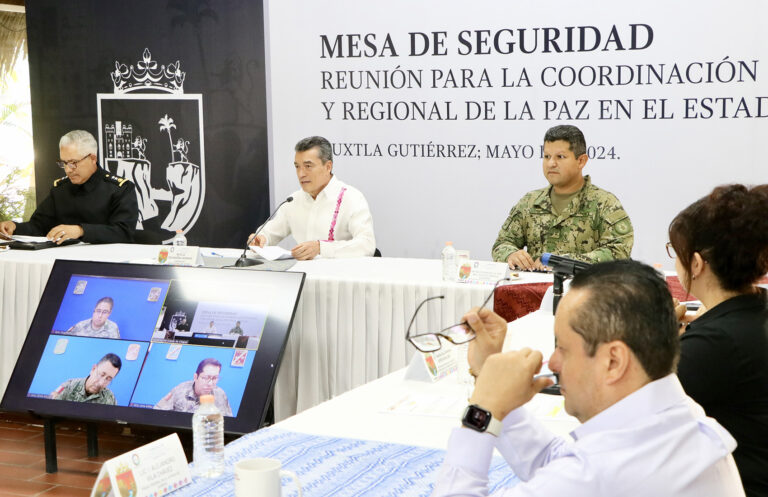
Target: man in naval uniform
x: 571, y: 217
x: 92, y: 388
x: 99, y: 325
x: 88, y: 204
x: 185, y: 397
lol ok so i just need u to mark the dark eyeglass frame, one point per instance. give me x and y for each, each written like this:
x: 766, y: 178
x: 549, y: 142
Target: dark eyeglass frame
x: 70, y: 164
x: 442, y: 333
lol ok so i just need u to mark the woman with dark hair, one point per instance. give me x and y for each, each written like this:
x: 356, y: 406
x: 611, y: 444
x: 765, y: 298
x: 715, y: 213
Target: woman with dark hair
x: 721, y: 247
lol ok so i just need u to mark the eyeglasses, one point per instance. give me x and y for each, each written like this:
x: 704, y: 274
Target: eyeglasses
x: 70, y: 164
x: 671, y: 251
x: 209, y: 379
x: 457, y: 334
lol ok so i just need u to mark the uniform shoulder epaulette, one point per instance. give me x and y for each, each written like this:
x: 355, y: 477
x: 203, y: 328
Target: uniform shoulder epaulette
x: 115, y: 179
x: 58, y: 181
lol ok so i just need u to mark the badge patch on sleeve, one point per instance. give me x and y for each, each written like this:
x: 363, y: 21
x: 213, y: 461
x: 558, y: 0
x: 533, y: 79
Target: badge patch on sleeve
x: 622, y: 227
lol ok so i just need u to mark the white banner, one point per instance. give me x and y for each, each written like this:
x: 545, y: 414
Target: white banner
x: 437, y: 109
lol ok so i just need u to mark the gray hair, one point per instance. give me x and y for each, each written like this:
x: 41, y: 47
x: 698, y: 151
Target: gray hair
x: 324, y: 148
x: 83, y: 141
x: 573, y: 135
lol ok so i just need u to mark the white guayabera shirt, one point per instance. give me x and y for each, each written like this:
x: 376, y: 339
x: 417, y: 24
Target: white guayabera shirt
x: 338, y: 205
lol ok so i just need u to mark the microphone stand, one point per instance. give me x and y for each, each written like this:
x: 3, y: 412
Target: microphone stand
x: 244, y: 261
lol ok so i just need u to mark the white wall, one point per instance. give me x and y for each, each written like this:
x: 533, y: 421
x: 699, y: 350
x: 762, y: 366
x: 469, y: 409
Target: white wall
x: 418, y: 203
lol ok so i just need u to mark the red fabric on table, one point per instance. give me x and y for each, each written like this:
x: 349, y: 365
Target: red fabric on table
x: 677, y: 291
x: 515, y: 301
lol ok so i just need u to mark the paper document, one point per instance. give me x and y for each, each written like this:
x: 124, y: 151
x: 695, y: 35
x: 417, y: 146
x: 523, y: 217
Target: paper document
x: 443, y: 406
x: 33, y: 239
x: 272, y: 252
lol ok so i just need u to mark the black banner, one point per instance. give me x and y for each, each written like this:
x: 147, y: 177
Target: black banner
x: 174, y: 91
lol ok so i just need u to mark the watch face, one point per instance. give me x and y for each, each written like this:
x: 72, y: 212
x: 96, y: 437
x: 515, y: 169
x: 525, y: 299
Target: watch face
x: 477, y: 418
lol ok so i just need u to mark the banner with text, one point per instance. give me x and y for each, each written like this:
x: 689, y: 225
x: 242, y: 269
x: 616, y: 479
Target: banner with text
x: 437, y: 111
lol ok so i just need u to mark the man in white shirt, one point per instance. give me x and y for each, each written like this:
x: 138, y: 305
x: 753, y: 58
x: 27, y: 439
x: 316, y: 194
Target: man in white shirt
x: 617, y: 350
x: 326, y: 217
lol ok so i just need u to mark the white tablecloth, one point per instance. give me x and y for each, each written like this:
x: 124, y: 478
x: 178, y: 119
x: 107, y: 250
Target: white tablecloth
x: 349, y: 327
x: 364, y: 412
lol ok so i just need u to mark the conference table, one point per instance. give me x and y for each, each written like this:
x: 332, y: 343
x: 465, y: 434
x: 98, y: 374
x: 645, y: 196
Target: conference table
x: 386, y: 437
x: 349, y: 327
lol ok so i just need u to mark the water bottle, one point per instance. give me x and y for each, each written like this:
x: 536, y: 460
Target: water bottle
x: 449, y: 262
x: 180, y: 240
x: 208, y: 439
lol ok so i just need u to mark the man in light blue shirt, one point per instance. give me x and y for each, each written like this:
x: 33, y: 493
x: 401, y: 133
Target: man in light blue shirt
x: 617, y: 350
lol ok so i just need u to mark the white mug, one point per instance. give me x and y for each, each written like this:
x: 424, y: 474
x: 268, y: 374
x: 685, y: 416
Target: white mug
x: 261, y: 477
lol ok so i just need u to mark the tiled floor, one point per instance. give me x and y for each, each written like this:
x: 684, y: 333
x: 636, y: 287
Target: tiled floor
x: 22, y: 455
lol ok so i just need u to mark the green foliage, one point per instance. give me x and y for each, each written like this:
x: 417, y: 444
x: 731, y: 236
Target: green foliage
x: 16, y: 202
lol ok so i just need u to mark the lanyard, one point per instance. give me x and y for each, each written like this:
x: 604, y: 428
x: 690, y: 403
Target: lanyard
x: 336, y: 214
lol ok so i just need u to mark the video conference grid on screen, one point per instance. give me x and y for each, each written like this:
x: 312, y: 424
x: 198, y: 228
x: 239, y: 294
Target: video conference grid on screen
x: 114, y: 339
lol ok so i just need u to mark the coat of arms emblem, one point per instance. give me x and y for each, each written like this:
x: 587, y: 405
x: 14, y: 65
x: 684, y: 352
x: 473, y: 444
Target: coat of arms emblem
x: 151, y: 133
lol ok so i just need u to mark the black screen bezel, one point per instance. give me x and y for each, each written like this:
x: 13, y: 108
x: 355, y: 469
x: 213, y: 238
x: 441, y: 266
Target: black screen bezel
x: 261, y: 379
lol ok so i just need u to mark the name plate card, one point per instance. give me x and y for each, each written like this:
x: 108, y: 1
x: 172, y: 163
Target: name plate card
x: 431, y: 366
x: 481, y: 271
x: 152, y: 470
x: 180, y: 255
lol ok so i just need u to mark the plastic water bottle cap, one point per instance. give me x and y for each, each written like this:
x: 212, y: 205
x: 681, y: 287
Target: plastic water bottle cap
x: 449, y: 243
x: 178, y: 232
x: 206, y: 399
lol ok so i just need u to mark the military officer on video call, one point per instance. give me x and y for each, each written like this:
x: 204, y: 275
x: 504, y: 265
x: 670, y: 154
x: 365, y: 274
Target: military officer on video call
x: 571, y: 217
x: 185, y: 397
x: 89, y: 204
x: 98, y: 325
x: 92, y: 388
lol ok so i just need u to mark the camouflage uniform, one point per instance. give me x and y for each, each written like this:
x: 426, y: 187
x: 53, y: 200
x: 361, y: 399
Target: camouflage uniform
x: 593, y: 228
x: 74, y: 390
x: 182, y: 398
x: 84, y: 329
x: 236, y: 331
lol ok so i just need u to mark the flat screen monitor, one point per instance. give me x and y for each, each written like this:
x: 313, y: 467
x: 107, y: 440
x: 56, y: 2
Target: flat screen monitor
x: 141, y: 343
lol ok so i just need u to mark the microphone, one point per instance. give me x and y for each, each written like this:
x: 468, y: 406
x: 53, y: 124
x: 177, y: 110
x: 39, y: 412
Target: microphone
x: 244, y: 261
x: 563, y: 265
x: 563, y: 268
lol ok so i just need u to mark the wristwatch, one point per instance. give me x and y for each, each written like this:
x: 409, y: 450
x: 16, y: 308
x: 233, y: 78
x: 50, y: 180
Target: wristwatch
x: 481, y: 420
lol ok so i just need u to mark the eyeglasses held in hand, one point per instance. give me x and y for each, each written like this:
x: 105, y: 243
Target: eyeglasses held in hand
x: 457, y: 334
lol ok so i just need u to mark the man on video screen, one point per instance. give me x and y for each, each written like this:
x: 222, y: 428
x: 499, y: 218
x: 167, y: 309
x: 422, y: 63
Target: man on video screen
x: 236, y: 330
x: 99, y: 325
x: 92, y: 388
x: 182, y: 325
x: 185, y: 397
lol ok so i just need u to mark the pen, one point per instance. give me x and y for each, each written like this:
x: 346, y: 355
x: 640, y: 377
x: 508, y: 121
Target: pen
x: 548, y: 375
